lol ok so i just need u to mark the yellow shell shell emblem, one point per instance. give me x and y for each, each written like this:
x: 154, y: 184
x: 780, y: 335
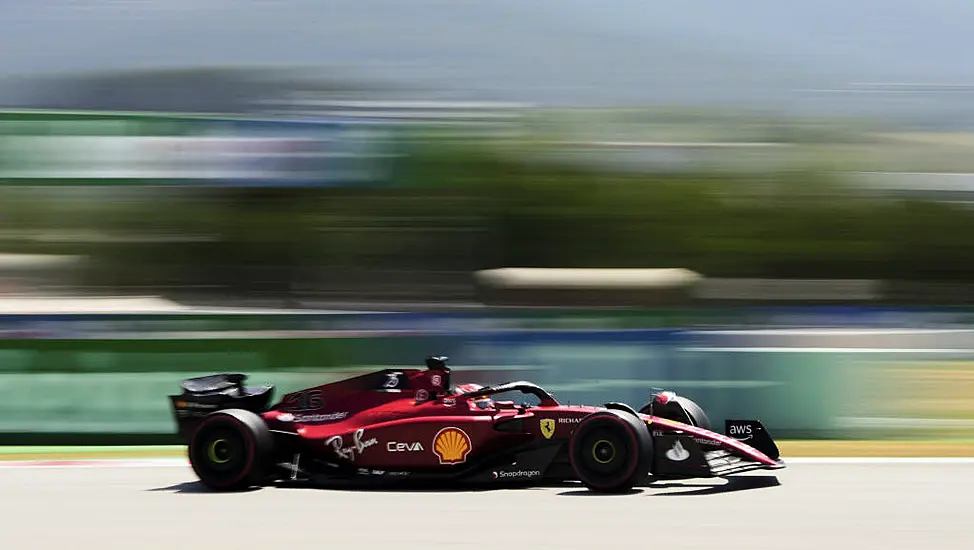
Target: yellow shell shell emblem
x: 548, y: 427
x: 451, y: 445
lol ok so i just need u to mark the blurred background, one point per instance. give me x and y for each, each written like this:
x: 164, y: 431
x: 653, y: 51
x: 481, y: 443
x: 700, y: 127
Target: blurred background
x: 302, y: 190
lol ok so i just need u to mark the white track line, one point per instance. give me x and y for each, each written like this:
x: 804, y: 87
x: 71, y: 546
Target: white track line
x: 96, y: 463
x: 879, y: 460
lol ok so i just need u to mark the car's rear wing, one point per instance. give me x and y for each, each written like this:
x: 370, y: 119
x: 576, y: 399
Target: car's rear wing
x: 206, y: 394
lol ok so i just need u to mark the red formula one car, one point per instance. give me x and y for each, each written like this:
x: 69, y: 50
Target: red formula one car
x: 412, y: 425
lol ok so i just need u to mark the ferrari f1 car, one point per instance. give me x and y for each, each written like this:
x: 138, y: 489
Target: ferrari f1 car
x: 413, y: 425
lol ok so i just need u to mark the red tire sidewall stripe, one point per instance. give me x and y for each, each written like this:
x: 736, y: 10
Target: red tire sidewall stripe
x: 251, y: 447
x: 632, y: 439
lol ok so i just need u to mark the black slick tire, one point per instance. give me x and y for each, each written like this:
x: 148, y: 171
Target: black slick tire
x: 229, y: 449
x: 611, y: 451
x: 697, y: 417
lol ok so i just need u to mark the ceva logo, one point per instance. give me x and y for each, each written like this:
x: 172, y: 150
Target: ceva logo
x: 396, y: 447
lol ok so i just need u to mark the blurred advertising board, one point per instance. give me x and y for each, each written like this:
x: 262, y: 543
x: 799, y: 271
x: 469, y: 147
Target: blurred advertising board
x: 97, y: 374
x: 150, y: 149
x: 314, y: 323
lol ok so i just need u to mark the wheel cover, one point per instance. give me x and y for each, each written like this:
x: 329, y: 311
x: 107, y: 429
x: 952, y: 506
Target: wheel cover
x: 220, y: 451
x: 603, y: 451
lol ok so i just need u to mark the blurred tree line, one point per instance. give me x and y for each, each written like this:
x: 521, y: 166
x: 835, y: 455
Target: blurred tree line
x: 455, y: 209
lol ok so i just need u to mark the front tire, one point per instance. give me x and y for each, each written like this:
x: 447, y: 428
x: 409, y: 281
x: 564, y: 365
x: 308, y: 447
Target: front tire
x: 680, y: 409
x: 697, y: 416
x: 229, y: 448
x: 611, y: 451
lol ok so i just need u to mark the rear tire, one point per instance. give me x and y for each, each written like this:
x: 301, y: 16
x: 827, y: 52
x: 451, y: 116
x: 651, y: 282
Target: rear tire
x: 229, y: 448
x: 611, y: 451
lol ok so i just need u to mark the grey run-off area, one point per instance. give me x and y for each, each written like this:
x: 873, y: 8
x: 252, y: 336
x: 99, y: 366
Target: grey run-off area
x: 813, y: 506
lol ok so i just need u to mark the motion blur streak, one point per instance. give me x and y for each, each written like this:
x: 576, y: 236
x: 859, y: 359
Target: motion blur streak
x: 304, y: 190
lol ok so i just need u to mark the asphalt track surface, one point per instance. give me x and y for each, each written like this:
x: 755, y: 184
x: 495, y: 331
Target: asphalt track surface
x: 809, y: 505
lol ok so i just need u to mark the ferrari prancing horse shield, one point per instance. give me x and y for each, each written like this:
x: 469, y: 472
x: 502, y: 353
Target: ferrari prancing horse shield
x: 547, y: 427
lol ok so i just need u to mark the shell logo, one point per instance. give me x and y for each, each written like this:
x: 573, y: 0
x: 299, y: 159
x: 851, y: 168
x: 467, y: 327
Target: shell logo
x: 451, y: 445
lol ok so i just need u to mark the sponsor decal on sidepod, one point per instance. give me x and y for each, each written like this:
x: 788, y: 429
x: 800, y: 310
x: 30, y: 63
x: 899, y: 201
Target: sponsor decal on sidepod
x: 517, y: 474
x: 305, y: 418
x: 451, y: 445
x: 359, y: 444
x: 396, y: 447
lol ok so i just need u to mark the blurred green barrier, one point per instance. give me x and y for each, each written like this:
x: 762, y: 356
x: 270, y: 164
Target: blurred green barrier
x: 134, y: 355
x: 795, y: 394
x: 106, y: 387
x: 801, y: 383
x: 109, y: 403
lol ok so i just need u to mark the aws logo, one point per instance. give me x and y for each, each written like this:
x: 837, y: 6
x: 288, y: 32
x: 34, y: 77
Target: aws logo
x: 741, y: 432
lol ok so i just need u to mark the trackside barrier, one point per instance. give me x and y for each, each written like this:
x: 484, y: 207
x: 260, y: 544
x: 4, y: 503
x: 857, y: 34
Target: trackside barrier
x: 98, y: 375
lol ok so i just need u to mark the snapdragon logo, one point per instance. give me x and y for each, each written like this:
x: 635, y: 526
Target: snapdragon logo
x: 517, y: 474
